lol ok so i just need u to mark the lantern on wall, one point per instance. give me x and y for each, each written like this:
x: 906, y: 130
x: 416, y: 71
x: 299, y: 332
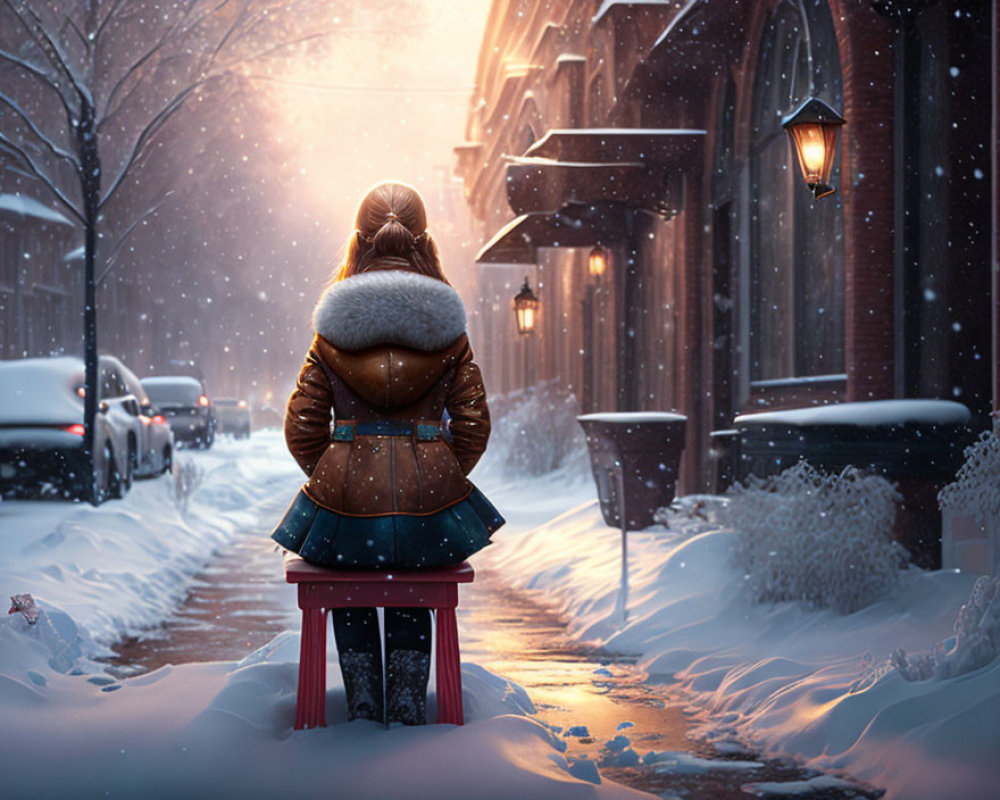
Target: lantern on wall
x: 598, y: 262
x: 812, y: 128
x: 525, y: 308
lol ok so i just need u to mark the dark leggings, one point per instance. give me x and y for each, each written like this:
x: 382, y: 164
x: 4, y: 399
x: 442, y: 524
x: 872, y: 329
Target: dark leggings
x: 356, y: 630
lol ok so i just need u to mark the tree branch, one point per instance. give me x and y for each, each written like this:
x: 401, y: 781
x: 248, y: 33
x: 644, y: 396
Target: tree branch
x: 15, y: 149
x: 112, y: 258
x: 36, y: 30
x: 39, y: 134
x: 150, y: 131
x: 42, y: 75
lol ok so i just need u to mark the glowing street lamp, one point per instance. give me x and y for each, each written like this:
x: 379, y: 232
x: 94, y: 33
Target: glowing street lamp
x: 598, y: 262
x: 812, y: 128
x: 525, y: 306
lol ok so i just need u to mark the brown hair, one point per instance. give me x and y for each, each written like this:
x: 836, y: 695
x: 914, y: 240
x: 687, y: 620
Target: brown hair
x: 391, y: 227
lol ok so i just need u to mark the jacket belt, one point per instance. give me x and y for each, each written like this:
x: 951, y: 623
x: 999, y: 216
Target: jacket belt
x: 346, y: 430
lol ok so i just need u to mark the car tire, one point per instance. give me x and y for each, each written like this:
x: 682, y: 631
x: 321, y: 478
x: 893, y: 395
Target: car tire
x: 168, y: 460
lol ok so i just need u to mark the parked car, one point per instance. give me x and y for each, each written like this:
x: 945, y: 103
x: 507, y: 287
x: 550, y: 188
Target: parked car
x: 233, y: 417
x: 155, y: 453
x: 183, y: 402
x: 41, y: 430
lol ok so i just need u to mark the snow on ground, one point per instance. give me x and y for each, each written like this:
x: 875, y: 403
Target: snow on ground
x: 812, y: 685
x: 215, y: 729
x: 815, y: 685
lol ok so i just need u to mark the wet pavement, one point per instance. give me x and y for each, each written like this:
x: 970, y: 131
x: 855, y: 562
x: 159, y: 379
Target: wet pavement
x: 596, y: 701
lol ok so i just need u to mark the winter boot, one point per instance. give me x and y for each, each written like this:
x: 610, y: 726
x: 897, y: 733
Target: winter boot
x: 363, y: 685
x: 406, y: 685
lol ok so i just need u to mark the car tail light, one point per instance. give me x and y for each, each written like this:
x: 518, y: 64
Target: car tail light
x: 159, y: 419
x: 203, y: 400
x: 242, y: 404
x: 77, y: 429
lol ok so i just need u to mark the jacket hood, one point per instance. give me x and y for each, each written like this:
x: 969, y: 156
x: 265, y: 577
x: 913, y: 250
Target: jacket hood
x: 387, y: 307
x: 391, y: 377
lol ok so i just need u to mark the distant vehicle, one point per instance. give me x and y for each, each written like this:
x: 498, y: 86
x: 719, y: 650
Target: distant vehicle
x: 41, y: 430
x: 183, y: 402
x: 155, y: 453
x: 233, y: 417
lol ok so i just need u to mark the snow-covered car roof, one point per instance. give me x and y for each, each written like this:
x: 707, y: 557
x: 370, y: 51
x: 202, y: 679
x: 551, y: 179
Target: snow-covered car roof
x: 170, y: 380
x: 41, y: 390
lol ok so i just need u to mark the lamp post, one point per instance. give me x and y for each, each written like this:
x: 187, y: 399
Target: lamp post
x: 812, y: 129
x: 525, y: 310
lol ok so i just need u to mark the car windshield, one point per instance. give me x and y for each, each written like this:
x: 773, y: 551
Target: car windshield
x: 178, y: 393
x: 40, y: 390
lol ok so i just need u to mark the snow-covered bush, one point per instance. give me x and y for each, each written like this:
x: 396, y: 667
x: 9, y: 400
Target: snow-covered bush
x: 975, y: 644
x: 536, y: 432
x: 821, y: 539
x: 976, y: 487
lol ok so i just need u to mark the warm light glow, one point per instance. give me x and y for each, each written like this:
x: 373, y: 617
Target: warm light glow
x: 526, y: 320
x: 525, y: 306
x: 77, y: 430
x: 81, y: 391
x: 159, y: 419
x: 242, y: 404
x: 813, y: 155
x: 598, y: 262
x: 813, y: 133
x: 203, y: 401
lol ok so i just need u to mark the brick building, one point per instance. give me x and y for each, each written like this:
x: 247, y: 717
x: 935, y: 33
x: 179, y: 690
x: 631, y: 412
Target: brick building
x: 653, y: 130
x: 40, y: 287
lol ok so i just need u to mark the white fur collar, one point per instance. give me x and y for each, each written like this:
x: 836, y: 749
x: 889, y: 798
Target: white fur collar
x: 390, y: 307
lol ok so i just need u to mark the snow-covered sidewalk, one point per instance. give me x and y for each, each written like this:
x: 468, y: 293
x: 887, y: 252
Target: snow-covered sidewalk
x: 815, y: 685
x: 215, y: 729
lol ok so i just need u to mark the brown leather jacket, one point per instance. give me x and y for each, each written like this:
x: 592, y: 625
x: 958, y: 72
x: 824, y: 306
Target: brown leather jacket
x: 390, y: 346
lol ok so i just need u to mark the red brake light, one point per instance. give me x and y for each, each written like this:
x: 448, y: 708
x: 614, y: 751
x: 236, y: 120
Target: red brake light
x: 203, y: 400
x: 159, y: 419
x: 77, y: 429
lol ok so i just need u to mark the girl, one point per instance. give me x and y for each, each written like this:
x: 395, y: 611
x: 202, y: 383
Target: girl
x: 387, y: 481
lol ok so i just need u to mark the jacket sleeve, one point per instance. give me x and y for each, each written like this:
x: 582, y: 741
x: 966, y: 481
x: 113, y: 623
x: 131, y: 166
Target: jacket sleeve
x: 469, y: 425
x: 307, y: 418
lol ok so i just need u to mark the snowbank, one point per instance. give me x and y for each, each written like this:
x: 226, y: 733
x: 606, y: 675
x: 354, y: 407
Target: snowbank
x: 225, y: 730
x: 125, y: 565
x: 813, y: 685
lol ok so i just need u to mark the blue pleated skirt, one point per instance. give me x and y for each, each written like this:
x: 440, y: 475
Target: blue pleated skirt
x: 325, y: 537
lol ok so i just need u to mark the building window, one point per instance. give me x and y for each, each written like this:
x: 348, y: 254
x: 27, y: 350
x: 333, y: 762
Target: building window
x: 797, y: 246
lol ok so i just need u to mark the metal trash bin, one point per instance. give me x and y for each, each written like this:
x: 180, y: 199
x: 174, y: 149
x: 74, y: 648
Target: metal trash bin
x: 635, y: 458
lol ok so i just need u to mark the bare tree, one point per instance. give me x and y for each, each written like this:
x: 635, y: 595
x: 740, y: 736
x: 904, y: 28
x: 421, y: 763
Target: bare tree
x: 88, y: 87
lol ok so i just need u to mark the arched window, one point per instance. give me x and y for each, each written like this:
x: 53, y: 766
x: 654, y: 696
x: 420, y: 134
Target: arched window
x: 797, y: 247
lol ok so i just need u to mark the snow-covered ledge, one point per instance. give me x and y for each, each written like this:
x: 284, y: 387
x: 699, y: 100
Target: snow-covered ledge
x: 866, y: 414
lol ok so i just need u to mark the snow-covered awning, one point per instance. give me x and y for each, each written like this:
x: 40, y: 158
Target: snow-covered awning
x: 652, y: 147
x: 637, y: 167
x: 28, y: 207
x: 75, y: 254
x: 518, y: 241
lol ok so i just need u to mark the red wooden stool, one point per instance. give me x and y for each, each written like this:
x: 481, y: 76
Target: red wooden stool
x: 321, y: 590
